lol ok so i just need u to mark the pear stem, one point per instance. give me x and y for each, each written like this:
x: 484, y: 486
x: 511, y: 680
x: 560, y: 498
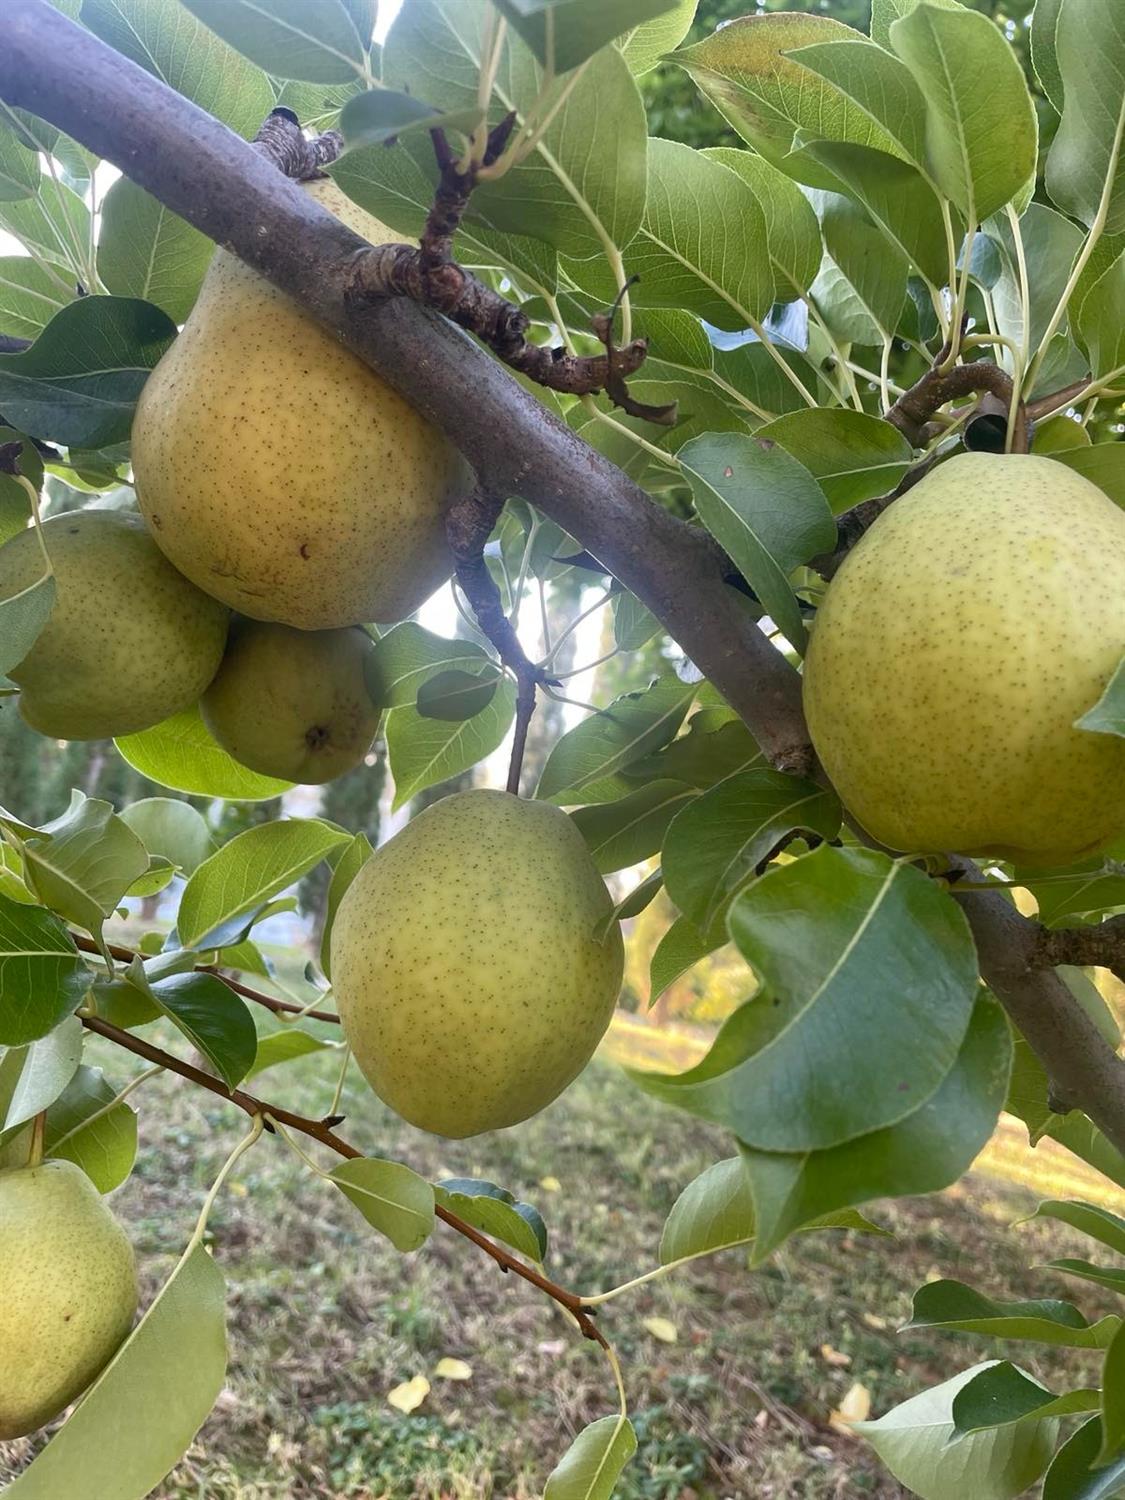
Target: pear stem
x: 38, y: 1131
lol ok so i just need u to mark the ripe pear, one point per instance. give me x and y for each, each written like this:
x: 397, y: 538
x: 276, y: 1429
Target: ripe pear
x: 278, y: 471
x: 980, y: 616
x: 69, y: 1291
x: 471, y: 981
x: 129, y: 641
x: 293, y: 703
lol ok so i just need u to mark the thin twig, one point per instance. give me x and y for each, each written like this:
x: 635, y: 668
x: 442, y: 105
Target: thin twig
x: 322, y: 1131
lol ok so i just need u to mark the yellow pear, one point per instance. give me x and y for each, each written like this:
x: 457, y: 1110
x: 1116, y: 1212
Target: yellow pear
x: 472, y: 982
x: 69, y: 1291
x: 129, y: 641
x: 278, y: 471
x: 980, y: 616
x: 293, y: 703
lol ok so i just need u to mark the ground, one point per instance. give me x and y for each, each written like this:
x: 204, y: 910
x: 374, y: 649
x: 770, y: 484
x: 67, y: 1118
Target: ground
x: 325, y: 1319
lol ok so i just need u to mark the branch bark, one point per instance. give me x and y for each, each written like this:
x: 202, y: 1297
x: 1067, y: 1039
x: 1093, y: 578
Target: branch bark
x: 202, y: 171
x: 1102, y: 944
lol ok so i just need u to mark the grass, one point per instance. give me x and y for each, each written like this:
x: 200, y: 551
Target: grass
x: 325, y: 1319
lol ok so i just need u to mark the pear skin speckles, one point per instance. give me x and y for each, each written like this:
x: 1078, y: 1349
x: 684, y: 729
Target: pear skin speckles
x: 980, y: 616
x: 471, y: 985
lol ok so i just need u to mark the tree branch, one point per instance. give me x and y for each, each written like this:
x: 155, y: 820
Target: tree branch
x: 202, y: 171
x: 322, y: 1131
x: 1101, y: 943
x: 914, y: 408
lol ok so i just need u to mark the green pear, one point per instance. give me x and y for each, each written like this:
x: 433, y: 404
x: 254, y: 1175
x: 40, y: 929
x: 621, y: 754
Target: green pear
x: 129, y: 641
x: 293, y: 703
x: 471, y: 978
x: 279, y: 472
x: 69, y: 1291
x: 978, y: 618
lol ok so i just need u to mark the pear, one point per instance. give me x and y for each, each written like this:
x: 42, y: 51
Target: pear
x: 980, y: 616
x: 279, y: 472
x: 472, y: 982
x: 129, y: 641
x: 293, y: 703
x: 69, y: 1291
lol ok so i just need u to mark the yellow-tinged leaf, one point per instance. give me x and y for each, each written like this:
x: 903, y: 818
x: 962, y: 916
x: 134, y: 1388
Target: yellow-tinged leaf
x: 873, y: 1320
x: 662, y: 1329
x: 409, y: 1396
x: 855, y: 1407
x: 453, y: 1369
x: 834, y: 1357
x: 550, y: 1184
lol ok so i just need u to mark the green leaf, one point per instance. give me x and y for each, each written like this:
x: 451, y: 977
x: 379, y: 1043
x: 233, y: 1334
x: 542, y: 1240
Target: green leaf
x: 981, y: 131
x: 287, y: 1044
x: 30, y: 295
x: 715, y: 845
x: 825, y: 933
x: 919, y: 1445
x: 19, y: 169
x: 22, y: 618
x: 79, y: 382
x: 623, y: 833
x: 254, y: 866
x: 578, y: 28
x: 317, y: 106
x: 140, y: 1415
x: 170, y: 829
x: 214, y: 1019
x: 927, y: 1151
x: 774, y: 102
x: 1113, y: 1399
x: 1109, y: 1277
x: 408, y: 656
x: 634, y: 624
x: 455, y: 696
x: 957, y: 1307
x: 160, y: 36
x: 85, y: 1126
x: 146, y: 251
x: 496, y: 1212
x: 874, y: 273
x: 879, y: 85
x: 1044, y: 21
x: 1072, y: 1476
x: 422, y: 751
x: 348, y: 866
x: 1108, y: 714
x: 1097, y: 319
x: 608, y: 742
x: 55, y: 224
x: 1088, y: 1218
x: 632, y: 903
x: 792, y: 230
x: 645, y: 45
x: 42, y: 976
x: 766, y: 510
x: 181, y: 753
x: 32, y: 1077
x: 1086, y: 158
x: 852, y: 455
x: 679, y: 950
x: 592, y: 1464
x: 1050, y: 245
x: 84, y: 862
x: 710, y: 750
x: 1003, y: 1393
x: 382, y: 115
x: 318, y: 43
x: 1102, y: 464
x: 393, y: 1199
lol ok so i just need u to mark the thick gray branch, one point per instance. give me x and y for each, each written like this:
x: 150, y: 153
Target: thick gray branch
x: 202, y: 171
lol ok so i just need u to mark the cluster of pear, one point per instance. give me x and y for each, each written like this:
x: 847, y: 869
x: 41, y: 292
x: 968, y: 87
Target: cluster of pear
x: 69, y: 1291
x: 245, y: 506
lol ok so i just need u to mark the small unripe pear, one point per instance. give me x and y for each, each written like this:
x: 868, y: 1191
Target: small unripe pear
x: 471, y: 976
x: 979, y: 617
x: 68, y: 1291
x: 293, y: 703
x: 278, y: 471
x: 129, y: 641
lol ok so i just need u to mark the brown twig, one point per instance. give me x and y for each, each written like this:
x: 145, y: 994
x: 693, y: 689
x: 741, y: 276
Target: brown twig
x: 853, y: 523
x: 1101, y: 944
x: 468, y: 526
x: 322, y: 1131
x: 914, y: 408
x: 279, y: 1007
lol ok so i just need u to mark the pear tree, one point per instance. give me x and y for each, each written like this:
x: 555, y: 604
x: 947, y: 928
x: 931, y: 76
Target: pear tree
x: 306, y: 326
